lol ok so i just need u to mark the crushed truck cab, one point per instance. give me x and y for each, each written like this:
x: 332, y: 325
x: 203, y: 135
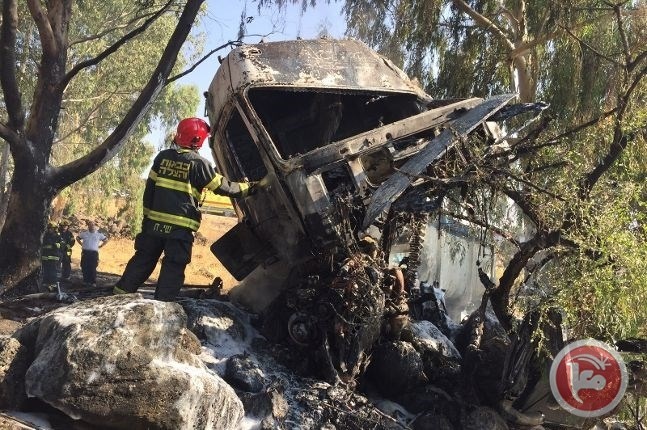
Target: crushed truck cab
x: 317, y: 122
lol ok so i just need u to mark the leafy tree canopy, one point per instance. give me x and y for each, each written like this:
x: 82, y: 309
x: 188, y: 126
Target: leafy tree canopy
x: 77, y: 80
x: 579, y: 179
x: 94, y: 102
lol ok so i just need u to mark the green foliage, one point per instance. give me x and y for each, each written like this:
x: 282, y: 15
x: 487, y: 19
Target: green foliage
x: 604, y: 297
x: 97, y: 99
x: 575, y: 61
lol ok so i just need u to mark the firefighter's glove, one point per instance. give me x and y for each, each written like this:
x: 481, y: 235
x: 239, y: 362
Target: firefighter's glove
x: 253, y: 188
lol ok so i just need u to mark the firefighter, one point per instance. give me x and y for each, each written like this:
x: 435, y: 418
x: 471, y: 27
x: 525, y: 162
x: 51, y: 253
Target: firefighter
x: 50, y: 256
x: 171, y: 210
x: 67, y: 242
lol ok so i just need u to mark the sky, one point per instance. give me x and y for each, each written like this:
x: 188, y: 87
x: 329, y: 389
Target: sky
x: 221, y: 22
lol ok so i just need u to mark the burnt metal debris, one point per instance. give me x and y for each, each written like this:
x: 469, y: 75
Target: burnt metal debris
x: 344, y: 147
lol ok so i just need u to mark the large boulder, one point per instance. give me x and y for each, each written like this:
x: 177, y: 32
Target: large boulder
x: 218, y: 323
x: 427, y: 338
x: 243, y: 374
x: 224, y: 330
x: 14, y: 359
x: 127, y: 362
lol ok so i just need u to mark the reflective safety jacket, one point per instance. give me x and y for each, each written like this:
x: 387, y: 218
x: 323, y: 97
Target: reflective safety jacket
x: 51, y: 246
x: 174, y: 189
x: 67, y: 242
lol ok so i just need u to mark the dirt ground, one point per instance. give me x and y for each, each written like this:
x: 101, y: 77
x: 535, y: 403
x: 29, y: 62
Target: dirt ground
x: 204, y: 266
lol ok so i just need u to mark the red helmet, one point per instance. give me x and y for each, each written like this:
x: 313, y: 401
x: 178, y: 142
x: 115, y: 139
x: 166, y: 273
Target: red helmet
x: 191, y: 133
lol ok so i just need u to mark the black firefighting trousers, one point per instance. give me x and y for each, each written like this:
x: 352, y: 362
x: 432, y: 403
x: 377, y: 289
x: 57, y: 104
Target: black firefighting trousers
x: 50, y: 274
x: 66, y: 266
x: 148, y: 249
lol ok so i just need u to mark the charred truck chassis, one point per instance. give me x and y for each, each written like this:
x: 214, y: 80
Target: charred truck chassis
x: 338, y: 138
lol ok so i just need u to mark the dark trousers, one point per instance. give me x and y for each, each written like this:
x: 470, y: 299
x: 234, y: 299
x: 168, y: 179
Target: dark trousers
x: 89, y: 263
x: 50, y: 274
x: 148, y: 249
x: 66, y: 267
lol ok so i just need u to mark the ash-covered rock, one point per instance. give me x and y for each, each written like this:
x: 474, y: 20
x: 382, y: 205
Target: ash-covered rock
x: 427, y: 338
x: 126, y: 362
x: 270, y: 406
x: 216, y: 322
x: 14, y: 360
x: 323, y: 406
x: 243, y: 374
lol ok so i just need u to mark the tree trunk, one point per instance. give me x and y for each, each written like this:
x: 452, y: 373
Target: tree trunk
x: 27, y: 217
x: 35, y: 182
x: 5, y: 185
x: 524, y: 79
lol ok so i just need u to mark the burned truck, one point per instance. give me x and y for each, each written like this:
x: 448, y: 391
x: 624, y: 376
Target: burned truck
x: 342, y: 144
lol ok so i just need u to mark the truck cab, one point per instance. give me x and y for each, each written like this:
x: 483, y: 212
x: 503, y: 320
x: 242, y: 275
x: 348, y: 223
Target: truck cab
x: 320, y: 124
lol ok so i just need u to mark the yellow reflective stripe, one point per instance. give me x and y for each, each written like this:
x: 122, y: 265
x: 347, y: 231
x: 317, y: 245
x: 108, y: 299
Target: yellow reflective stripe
x: 173, y: 219
x: 178, y: 186
x: 244, y: 188
x: 152, y: 175
x: 146, y: 210
x: 117, y: 290
x: 215, y: 183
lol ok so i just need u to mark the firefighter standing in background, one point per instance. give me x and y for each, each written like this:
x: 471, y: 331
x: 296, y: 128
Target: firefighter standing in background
x: 67, y: 242
x: 171, y: 210
x: 50, y: 256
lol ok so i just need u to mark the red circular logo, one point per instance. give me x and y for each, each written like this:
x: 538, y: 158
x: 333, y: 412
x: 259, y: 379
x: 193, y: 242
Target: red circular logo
x: 588, y: 378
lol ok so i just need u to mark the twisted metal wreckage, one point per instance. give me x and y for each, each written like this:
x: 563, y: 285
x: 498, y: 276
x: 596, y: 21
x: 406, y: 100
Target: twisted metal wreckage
x: 349, y: 154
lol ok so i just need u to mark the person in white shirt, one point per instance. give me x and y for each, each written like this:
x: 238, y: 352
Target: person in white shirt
x: 91, y: 240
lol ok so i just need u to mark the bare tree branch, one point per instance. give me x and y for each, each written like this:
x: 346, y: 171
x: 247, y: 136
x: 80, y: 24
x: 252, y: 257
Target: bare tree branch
x: 512, y: 20
x: 45, y: 31
x: 619, y: 143
x: 623, y: 37
x: 500, y: 297
x: 615, y: 150
x: 8, y: 81
x: 505, y: 234
x: 631, y: 66
x: 484, y: 22
x: 113, y: 27
x: 9, y: 135
x: 83, y: 122
x: 522, y: 18
x: 592, y: 49
x: 523, y: 48
x: 581, y: 127
x: 549, y: 35
x: 114, y: 47
x: 527, y: 207
x: 77, y: 169
x: 556, y: 165
x: 210, y: 53
x: 591, y: 253
x: 544, y: 261
x: 531, y: 184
